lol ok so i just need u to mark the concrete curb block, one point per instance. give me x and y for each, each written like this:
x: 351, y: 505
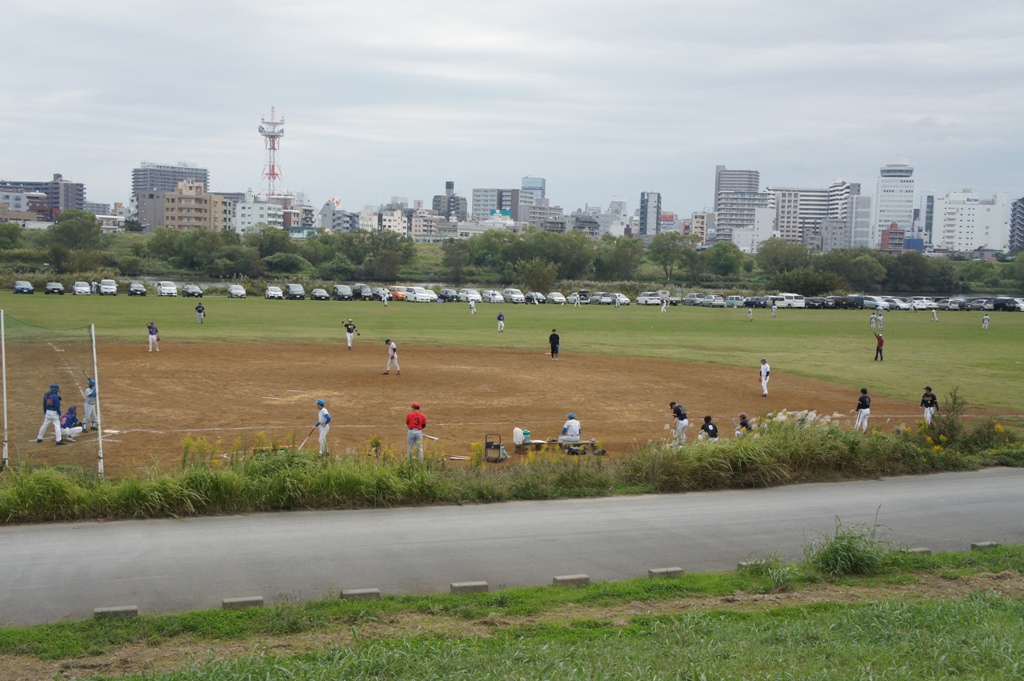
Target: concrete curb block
x: 571, y: 580
x: 361, y: 594
x: 665, y: 572
x: 747, y: 564
x: 978, y: 546
x: 920, y: 551
x: 116, y: 612
x: 242, y: 603
x: 468, y: 587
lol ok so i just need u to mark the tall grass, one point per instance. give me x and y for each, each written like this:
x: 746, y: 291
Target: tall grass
x: 271, y: 479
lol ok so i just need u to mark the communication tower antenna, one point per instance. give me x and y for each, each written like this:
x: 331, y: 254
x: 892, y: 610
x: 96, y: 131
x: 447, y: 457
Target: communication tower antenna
x: 272, y: 131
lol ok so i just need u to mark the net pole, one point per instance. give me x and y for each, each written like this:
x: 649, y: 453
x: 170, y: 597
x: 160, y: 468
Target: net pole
x: 3, y: 362
x: 99, y: 418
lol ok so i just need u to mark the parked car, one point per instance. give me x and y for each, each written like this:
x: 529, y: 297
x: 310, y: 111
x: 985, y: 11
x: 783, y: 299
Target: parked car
x: 419, y: 294
x: 137, y: 288
x: 53, y: 287
x: 167, y: 288
x: 789, y: 300
x: 734, y: 301
x: 448, y: 295
x: 982, y: 304
x: 319, y: 294
x: 294, y: 292
x: 556, y: 298
x: 397, y: 292
x: 191, y: 291
x: 535, y: 298
x: 108, y: 287
x: 513, y: 295
x: 755, y: 301
x: 1005, y: 304
x: 873, y: 303
x: 379, y: 292
x: 81, y: 288
x: 922, y: 303
x: 274, y: 292
x: 362, y: 292
x: 582, y: 296
x: 692, y: 298
x: 897, y: 304
x: 713, y: 300
x: 341, y: 292
x: 236, y: 291
x: 648, y: 298
x: 814, y: 303
x: 601, y: 298
x: 468, y: 294
x: 620, y: 298
x: 22, y: 286
x: 490, y: 296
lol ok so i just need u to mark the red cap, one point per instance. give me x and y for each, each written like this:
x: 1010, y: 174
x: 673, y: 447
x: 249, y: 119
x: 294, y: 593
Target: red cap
x: 415, y: 405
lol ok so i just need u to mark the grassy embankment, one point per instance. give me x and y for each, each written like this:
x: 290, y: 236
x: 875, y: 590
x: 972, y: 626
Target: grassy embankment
x: 854, y: 608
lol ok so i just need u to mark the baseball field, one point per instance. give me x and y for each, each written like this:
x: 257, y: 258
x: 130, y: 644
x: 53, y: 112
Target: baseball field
x: 257, y: 367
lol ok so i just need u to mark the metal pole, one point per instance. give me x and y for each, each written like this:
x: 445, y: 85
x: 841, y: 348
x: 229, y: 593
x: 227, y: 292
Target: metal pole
x: 99, y: 416
x: 3, y: 361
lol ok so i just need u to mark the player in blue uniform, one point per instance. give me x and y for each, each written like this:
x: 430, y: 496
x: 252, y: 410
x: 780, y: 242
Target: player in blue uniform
x: 708, y: 431
x: 681, y: 423
x: 90, y: 421
x: 70, y: 426
x: 154, y: 337
x: 323, y: 422
x: 51, y: 413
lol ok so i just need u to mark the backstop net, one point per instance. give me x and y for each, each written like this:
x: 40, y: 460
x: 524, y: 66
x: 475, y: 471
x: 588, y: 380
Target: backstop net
x: 34, y: 357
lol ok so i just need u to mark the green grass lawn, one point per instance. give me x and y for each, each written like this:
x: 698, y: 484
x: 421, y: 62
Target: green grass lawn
x: 834, y: 345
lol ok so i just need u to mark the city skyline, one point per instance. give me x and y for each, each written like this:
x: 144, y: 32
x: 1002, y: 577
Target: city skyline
x: 592, y: 101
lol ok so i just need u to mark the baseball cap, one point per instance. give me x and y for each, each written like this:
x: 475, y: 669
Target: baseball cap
x: 571, y: 415
x: 387, y: 340
x: 415, y: 405
x: 763, y: 359
x: 350, y: 320
x: 864, y: 390
x: 54, y: 387
x: 928, y: 388
x: 320, y: 402
x: 72, y: 408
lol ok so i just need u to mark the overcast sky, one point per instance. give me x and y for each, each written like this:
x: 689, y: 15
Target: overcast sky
x: 605, y: 99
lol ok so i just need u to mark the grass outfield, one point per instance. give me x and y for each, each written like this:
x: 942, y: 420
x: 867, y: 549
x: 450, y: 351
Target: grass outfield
x: 834, y: 345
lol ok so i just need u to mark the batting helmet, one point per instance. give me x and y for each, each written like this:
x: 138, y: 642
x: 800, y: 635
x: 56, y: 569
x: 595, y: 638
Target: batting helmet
x: 864, y: 391
x: 72, y: 408
x: 415, y: 405
x: 320, y: 403
x: 54, y: 387
x: 571, y: 415
x: 91, y: 383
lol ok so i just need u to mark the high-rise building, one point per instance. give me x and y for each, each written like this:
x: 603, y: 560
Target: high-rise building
x: 964, y: 222
x: 702, y: 223
x: 650, y: 213
x: 61, y: 194
x: 1017, y: 225
x: 487, y: 201
x: 894, y: 200
x: 450, y: 205
x: 159, y: 177
x: 736, y: 211
x: 839, y: 193
x: 536, y: 186
x: 735, y: 181
x: 799, y: 212
x: 189, y: 208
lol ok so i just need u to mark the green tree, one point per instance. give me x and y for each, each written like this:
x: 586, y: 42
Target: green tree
x: 131, y: 225
x: 694, y: 259
x: 269, y: 240
x: 666, y: 251
x: 778, y: 255
x: 867, y: 274
x: 385, y: 265
x: 537, y: 274
x: 10, y: 235
x: 287, y: 263
x: 808, y: 281
x: 164, y: 243
x: 725, y: 258
x: 77, y: 229
x: 237, y: 261
x: 618, y: 258
x: 338, y: 267
x: 456, y: 254
x: 130, y: 265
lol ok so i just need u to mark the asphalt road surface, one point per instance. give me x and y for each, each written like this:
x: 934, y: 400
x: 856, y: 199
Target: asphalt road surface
x: 64, y: 571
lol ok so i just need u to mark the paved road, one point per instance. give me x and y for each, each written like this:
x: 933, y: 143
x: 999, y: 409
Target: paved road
x: 54, y: 572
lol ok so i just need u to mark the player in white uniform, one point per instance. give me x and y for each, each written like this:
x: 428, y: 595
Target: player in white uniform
x: 775, y: 307
x: 863, y: 411
x: 323, y: 422
x: 873, y: 321
x: 350, y: 329
x: 392, y: 357
x: 681, y: 424
x: 90, y: 420
x: 570, y: 430
x: 765, y: 371
x: 472, y: 307
x: 984, y: 321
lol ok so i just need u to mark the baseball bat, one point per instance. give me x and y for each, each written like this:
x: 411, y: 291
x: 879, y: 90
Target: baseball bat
x: 86, y: 375
x: 431, y: 437
x: 307, y: 437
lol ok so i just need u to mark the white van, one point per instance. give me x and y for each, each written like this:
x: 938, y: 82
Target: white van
x: 108, y: 287
x: 167, y: 288
x: 789, y: 300
x: 513, y: 295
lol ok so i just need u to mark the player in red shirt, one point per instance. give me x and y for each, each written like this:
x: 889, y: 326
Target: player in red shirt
x: 416, y: 421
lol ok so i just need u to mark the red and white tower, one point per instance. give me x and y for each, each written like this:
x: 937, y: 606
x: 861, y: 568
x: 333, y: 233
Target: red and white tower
x: 272, y: 131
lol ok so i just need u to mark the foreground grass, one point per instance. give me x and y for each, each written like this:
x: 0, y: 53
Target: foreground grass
x: 833, y: 345
x: 642, y: 628
x: 283, y: 480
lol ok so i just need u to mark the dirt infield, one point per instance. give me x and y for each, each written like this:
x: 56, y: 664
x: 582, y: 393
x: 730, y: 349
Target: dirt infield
x: 228, y: 391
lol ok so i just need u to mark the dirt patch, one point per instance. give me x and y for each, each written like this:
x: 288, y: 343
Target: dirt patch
x: 231, y: 392
x: 186, y: 653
